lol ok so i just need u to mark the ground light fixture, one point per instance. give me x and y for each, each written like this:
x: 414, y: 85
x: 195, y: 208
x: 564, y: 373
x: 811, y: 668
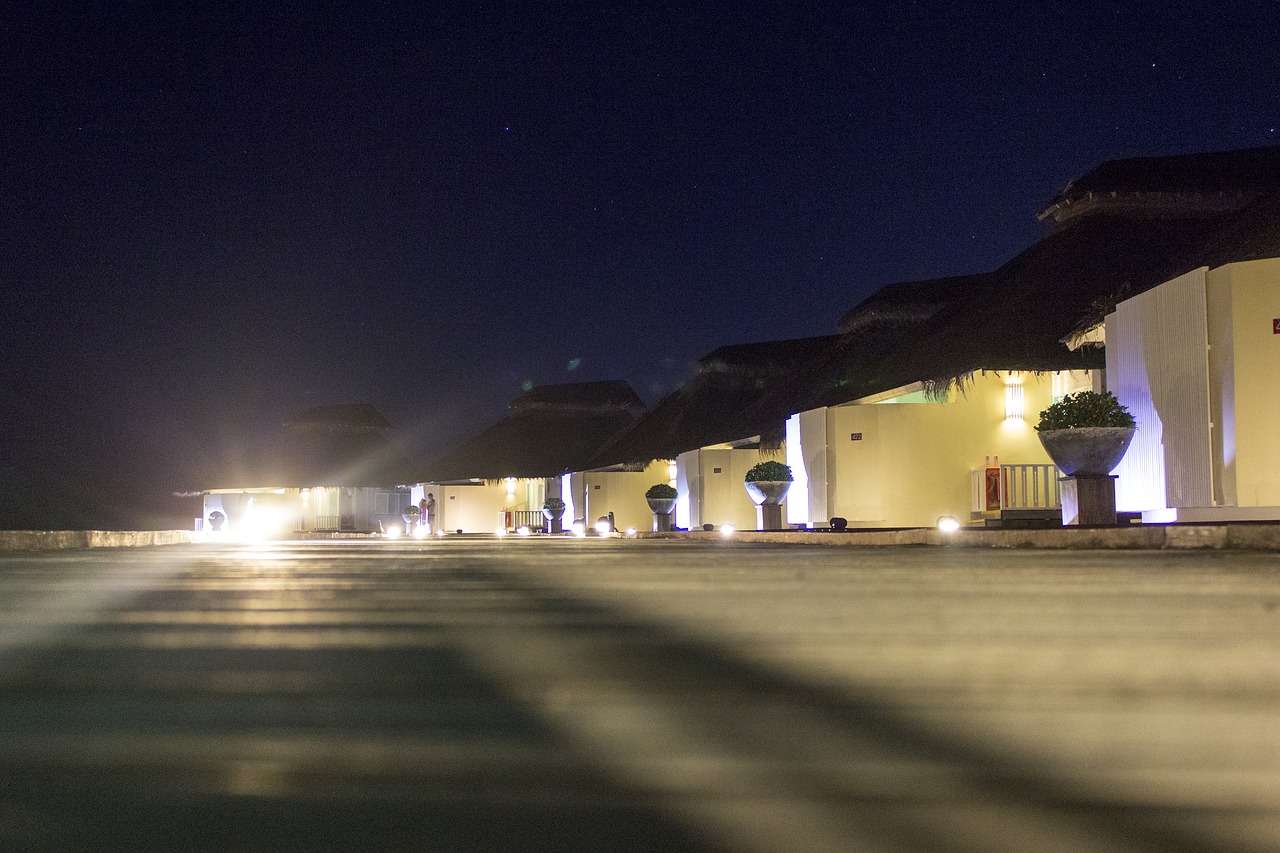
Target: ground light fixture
x: 948, y: 524
x: 393, y: 531
x: 603, y: 528
x: 421, y: 532
x: 726, y: 530
x: 579, y: 529
x: 631, y: 533
x: 501, y: 532
x: 523, y: 531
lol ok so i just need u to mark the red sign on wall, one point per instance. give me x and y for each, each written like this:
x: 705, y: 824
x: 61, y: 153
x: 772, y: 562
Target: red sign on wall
x: 855, y: 436
x: 1275, y: 326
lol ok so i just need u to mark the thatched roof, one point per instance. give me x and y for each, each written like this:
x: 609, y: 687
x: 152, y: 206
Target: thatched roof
x: 612, y: 395
x: 1206, y: 184
x: 1011, y: 319
x: 1213, y: 171
x: 909, y: 302
x: 325, y: 446
x: 715, y: 406
x: 1250, y: 235
x: 551, y: 430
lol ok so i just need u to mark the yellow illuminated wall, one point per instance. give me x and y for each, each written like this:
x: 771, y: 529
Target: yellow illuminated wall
x: 619, y: 492
x: 471, y: 508
x: 1244, y: 366
x: 714, y: 483
x: 906, y: 464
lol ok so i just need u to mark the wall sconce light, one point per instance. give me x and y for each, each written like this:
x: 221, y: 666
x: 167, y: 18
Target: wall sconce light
x: 1013, y: 406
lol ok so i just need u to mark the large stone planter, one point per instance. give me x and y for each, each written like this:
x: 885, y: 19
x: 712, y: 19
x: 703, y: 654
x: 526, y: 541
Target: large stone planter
x: 768, y: 492
x: 768, y: 495
x: 1086, y: 451
x: 1086, y: 455
x: 662, y: 509
x: 554, y: 524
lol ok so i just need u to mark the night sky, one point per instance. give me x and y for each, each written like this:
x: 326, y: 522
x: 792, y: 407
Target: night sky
x: 212, y: 219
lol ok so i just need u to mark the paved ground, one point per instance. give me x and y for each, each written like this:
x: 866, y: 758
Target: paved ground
x: 654, y: 695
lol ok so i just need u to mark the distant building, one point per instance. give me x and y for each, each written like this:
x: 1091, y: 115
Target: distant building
x: 500, y: 477
x: 329, y: 468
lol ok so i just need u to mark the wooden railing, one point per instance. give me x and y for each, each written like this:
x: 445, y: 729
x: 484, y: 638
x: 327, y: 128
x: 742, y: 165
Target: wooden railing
x: 530, y: 518
x: 1031, y: 486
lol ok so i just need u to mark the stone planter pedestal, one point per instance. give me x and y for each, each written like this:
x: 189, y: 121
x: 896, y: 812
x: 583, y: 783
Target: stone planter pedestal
x: 662, y: 510
x: 1086, y: 456
x: 1089, y: 499
x: 555, y: 523
x: 768, y: 496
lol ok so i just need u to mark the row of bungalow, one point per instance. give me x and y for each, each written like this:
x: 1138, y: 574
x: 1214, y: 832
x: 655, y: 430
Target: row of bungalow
x: 1158, y: 279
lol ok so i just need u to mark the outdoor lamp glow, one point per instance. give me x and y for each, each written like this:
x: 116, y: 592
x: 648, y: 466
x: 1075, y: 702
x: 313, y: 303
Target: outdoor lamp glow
x: 420, y: 532
x: 602, y: 527
x: 501, y: 532
x: 523, y: 531
x: 631, y: 533
x: 579, y: 529
x: 726, y: 530
x: 393, y: 531
x: 1013, y: 400
x: 948, y: 524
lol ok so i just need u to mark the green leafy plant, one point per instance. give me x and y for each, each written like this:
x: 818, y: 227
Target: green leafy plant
x: 661, y: 491
x: 553, y: 505
x: 1086, y: 409
x: 769, y: 472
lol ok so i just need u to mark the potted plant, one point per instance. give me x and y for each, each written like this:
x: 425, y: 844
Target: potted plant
x: 1086, y: 434
x: 410, y: 515
x: 662, y: 500
x: 553, y: 511
x: 768, y: 482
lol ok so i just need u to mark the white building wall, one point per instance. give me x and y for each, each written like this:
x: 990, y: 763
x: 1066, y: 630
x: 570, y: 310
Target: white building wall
x: 808, y: 451
x: 1158, y: 367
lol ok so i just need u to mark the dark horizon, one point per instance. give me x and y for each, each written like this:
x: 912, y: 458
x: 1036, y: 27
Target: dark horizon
x: 216, y: 218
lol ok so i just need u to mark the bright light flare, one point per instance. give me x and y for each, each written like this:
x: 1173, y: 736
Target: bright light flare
x: 501, y: 532
x: 603, y: 528
x: 948, y: 524
x: 421, y: 532
x: 393, y: 531
x: 523, y: 531
x: 631, y: 533
x: 579, y: 529
x: 727, y: 531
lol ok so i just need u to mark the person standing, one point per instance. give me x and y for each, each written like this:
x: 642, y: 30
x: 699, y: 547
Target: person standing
x: 422, y: 514
x: 429, y: 511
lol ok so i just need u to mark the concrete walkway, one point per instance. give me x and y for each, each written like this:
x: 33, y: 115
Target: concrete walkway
x: 606, y: 694
x: 1251, y: 536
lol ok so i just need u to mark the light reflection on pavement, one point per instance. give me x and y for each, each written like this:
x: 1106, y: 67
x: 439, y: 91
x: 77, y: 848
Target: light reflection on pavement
x: 638, y: 695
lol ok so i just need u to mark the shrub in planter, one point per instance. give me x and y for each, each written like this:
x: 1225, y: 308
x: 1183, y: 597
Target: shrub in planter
x: 661, y: 491
x: 662, y: 501
x: 1086, y: 434
x: 554, y: 506
x: 768, y: 483
x: 1085, y: 409
x: 769, y: 472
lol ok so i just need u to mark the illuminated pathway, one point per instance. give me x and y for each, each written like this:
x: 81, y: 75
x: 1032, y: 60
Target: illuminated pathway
x: 655, y: 695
